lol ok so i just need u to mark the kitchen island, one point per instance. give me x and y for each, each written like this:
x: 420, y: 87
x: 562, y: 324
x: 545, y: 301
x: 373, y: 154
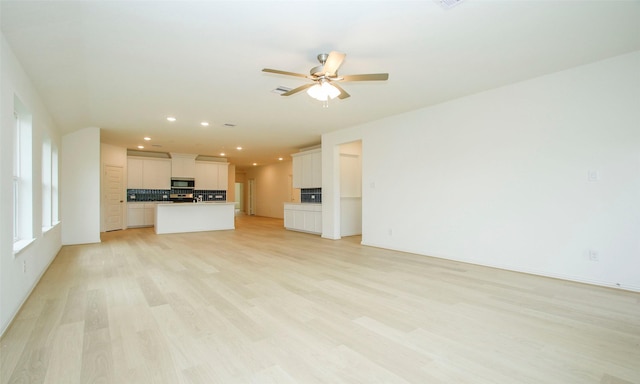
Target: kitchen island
x: 194, y: 217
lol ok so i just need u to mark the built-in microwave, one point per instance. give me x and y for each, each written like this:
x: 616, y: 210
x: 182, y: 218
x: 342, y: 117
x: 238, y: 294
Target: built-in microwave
x: 182, y: 183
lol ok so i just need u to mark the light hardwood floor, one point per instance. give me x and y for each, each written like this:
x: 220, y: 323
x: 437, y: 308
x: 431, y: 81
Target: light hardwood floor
x: 265, y: 305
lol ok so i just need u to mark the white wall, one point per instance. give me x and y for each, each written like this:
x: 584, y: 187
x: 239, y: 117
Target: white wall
x: 16, y: 281
x: 80, y: 186
x: 500, y: 178
x: 273, y: 188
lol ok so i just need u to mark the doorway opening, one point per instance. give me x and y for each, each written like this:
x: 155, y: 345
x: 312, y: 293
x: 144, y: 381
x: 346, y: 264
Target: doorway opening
x: 239, y: 193
x: 351, y: 188
x: 251, y: 200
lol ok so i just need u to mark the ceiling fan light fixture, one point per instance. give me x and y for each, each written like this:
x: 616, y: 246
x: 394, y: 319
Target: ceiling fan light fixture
x: 323, y: 91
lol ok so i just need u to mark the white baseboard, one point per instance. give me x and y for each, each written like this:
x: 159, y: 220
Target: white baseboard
x: 35, y: 284
x: 511, y: 268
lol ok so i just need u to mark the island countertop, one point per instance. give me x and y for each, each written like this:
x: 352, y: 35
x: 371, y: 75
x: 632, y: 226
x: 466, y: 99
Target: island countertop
x: 194, y: 217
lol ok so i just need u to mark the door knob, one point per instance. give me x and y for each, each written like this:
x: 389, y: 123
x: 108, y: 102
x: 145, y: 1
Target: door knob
x: 121, y: 201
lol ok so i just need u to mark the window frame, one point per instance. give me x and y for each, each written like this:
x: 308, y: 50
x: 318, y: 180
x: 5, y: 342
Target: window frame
x: 23, y: 220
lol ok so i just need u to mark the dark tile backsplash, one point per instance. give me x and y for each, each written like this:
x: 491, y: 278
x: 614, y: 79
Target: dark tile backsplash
x: 311, y: 195
x: 208, y: 195
x: 134, y: 195
x: 148, y: 195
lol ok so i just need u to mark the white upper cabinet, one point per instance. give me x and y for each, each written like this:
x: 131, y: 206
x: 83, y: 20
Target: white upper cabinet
x: 134, y: 173
x: 316, y: 169
x: 211, y: 175
x: 156, y: 174
x: 297, y: 171
x: 206, y: 175
x: 223, y: 176
x: 183, y: 165
x: 307, y: 169
x: 148, y: 173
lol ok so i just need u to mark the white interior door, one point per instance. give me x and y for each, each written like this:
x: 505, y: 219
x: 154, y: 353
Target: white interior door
x: 113, y: 196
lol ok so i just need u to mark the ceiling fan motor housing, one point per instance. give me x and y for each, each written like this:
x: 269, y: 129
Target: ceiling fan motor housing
x: 322, y: 58
x: 319, y: 70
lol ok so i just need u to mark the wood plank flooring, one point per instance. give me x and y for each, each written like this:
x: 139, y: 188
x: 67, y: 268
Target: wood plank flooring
x: 264, y: 305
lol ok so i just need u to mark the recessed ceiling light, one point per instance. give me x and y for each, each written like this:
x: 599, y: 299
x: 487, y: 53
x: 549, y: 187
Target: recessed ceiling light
x: 140, y: 146
x: 171, y: 118
x: 446, y: 4
x: 222, y: 154
x: 280, y: 158
x: 254, y: 164
x: 239, y: 148
x: 204, y: 124
x: 147, y: 138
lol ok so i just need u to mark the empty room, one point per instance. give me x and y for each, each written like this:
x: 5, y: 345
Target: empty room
x: 433, y: 191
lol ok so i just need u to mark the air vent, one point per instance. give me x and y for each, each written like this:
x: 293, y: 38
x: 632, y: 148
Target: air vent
x: 229, y: 125
x: 447, y: 4
x: 280, y: 90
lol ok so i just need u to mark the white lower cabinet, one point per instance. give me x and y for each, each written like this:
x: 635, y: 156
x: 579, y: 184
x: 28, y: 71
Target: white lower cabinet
x: 303, y: 217
x: 141, y: 214
x: 149, y: 214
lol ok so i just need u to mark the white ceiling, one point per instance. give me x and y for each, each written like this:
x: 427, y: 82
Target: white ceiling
x: 124, y: 66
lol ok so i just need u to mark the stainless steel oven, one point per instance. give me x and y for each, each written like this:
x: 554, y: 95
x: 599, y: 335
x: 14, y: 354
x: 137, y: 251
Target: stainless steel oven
x: 181, y: 197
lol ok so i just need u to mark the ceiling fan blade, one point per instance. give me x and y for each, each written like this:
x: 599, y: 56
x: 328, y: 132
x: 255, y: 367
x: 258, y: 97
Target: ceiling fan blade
x: 367, y: 77
x: 279, y: 72
x: 343, y: 94
x: 300, y: 88
x: 333, y: 63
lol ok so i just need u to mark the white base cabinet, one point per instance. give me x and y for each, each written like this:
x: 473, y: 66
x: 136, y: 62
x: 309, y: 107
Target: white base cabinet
x: 141, y: 214
x: 303, y: 217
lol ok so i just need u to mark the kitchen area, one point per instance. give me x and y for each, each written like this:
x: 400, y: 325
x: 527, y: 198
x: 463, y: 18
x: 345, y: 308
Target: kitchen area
x: 306, y: 216
x: 177, y: 193
x: 174, y: 192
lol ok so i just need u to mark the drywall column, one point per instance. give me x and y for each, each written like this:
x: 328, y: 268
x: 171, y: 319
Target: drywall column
x: 80, y: 187
x: 331, y: 178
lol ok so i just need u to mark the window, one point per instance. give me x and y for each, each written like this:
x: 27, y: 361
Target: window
x: 16, y: 178
x: 46, y: 185
x: 54, y: 184
x: 49, y: 184
x: 22, y: 178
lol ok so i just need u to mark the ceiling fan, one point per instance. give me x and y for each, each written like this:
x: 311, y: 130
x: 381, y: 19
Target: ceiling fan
x: 325, y: 78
